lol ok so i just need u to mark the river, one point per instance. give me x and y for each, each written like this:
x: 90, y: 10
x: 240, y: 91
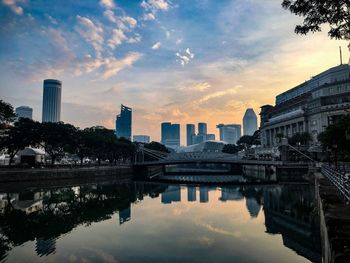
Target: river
x: 149, y: 222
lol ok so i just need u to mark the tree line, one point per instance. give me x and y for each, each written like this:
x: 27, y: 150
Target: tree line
x: 61, y: 139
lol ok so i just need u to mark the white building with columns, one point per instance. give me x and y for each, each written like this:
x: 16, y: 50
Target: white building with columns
x: 309, y: 107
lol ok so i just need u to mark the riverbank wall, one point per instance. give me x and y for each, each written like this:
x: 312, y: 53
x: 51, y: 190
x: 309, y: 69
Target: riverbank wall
x: 334, y: 222
x: 79, y: 173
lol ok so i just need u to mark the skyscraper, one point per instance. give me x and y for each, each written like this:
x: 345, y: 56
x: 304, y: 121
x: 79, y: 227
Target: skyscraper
x: 250, y: 122
x: 24, y: 112
x: 123, y: 123
x: 170, y: 134
x: 202, y: 128
x: 229, y: 133
x: 190, y: 131
x: 52, y: 100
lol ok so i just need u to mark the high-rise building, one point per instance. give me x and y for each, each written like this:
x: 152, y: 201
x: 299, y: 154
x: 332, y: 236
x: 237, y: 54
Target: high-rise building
x: 170, y: 134
x: 229, y: 133
x: 24, y: 112
x: 123, y: 123
x: 141, y: 138
x: 171, y: 194
x: 250, y: 122
x: 190, y: 131
x: 202, y: 128
x: 52, y: 100
x: 210, y: 137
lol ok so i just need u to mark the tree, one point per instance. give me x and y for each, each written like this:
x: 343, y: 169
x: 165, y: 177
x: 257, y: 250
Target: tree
x: 232, y: 148
x: 7, y: 114
x: 157, y: 147
x: 335, y: 138
x: 300, y: 138
x: 24, y: 133
x: 98, y: 141
x: 57, y: 139
x: 335, y: 13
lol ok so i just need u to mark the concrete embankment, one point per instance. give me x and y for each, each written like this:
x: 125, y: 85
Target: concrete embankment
x: 334, y: 222
x: 79, y: 173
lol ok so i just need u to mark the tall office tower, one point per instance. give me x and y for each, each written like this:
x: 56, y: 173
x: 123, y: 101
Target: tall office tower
x: 190, y: 131
x: 24, y: 112
x: 250, y: 122
x: 123, y: 123
x: 52, y: 100
x: 170, y: 134
x: 202, y: 128
x: 229, y: 133
x: 141, y: 138
x: 203, y: 194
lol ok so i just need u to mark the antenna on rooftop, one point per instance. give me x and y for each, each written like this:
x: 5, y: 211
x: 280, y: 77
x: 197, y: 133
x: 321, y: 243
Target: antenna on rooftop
x: 341, y: 56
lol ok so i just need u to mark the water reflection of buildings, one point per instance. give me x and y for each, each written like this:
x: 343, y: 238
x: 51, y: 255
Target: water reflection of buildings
x: 171, y: 194
x: 191, y: 193
x: 230, y: 194
x: 124, y: 215
x: 45, y: 247
x: 204, y: 194
x: 290, y: 212
x: 27, y: 202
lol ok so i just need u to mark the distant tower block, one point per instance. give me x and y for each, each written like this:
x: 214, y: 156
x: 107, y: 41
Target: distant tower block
x: 52, y: 100
x: 250, y: 122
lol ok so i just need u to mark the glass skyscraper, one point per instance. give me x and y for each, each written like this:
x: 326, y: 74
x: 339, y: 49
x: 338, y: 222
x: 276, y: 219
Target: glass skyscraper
x: 170, y: 134
x: 250, y: 122
x: 52, y: 100
x: 24, y: 112
x: 190, y: 132
x: 123, y: 123
x: 229, y: 133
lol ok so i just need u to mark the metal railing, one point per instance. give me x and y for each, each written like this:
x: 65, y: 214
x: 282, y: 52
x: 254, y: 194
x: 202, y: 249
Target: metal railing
x: 341, y: 181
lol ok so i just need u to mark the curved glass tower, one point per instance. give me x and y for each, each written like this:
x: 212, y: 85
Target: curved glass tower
x: 250, y: 122
x: 52, y: 100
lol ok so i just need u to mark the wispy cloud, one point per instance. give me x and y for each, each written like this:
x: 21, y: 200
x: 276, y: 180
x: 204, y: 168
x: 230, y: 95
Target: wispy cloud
x: 185, y: 57
x: 13, y: 5
x: 156, y: 45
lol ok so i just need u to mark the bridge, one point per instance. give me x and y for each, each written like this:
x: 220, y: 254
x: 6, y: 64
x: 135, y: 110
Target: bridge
x: 193, y: 166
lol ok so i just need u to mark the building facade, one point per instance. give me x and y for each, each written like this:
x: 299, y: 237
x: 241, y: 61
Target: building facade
x: 309, y: 107
x: 141, y: 138
x: 124, y: 123
x: 190, y: 132
x: 250, y: 122
x: 52, y: 90
x: 24, y: 112
x: 229, y: 133
x: 170, y: 134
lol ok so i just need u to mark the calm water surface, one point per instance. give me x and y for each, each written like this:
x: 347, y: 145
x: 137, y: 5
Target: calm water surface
x: 160, y: 223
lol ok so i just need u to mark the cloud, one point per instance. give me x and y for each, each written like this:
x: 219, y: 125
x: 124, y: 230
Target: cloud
x: 154, y: 5
x: 185, y: 57
x: 216, y: 94
x: 92, y: 33
x: 157, y: 45
x: 109, y: 4
x: 149, y: 16
x: 112, y: 66
x: 13, y: 5
x: 117, y: 38
x: 130, y: 20
x: 202, y: 86
x: 135, y: 39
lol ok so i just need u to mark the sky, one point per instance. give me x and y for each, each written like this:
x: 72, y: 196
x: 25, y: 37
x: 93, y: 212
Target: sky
x: 184, y: 61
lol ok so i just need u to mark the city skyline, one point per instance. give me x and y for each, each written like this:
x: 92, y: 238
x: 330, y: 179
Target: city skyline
x: 158, y: 63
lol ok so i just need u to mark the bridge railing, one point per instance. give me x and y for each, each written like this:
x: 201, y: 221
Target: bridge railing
x: 341, y: 181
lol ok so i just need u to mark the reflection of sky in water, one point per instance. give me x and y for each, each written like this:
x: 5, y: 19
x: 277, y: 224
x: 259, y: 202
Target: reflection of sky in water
x: 225, y: 227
